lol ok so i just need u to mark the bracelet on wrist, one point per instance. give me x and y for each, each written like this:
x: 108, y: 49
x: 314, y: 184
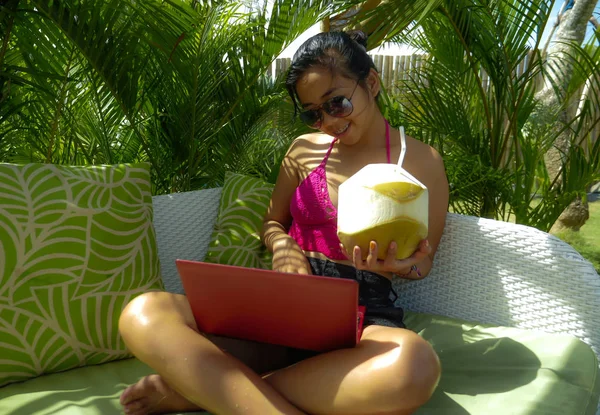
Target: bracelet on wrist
x: 413, y: 268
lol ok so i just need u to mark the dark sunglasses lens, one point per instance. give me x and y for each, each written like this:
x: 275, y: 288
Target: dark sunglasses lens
x: 310, y: 118
x: 338, y: 107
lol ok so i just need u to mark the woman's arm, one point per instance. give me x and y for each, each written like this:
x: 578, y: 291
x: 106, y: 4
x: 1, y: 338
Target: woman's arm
x: 287, y: 255
x: 438, y: 190
x: 439, y: 193
x: 278, y: 218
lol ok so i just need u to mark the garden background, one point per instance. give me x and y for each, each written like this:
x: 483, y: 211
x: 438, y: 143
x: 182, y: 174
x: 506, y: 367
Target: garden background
x: 510, y: 99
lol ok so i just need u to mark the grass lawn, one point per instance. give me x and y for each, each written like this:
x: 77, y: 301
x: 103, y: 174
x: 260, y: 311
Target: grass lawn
x: 587, y: 240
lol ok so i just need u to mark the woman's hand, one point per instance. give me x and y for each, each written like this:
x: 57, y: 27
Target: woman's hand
x: 390, y: 264
x: 288, y: 257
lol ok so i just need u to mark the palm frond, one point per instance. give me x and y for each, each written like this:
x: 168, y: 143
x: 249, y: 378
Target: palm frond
x: 170, y: 82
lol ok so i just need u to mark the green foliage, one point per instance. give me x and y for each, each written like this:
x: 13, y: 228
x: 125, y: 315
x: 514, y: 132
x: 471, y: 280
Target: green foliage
x: 475, y: 103
x: 182, y: 85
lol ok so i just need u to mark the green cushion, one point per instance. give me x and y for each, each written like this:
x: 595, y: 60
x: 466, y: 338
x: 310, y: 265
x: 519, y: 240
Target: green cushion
x: 236, y: 236
x: 92, y: 390
x: 76, y: 245
x: 486, y: 371
x: 501, y: 370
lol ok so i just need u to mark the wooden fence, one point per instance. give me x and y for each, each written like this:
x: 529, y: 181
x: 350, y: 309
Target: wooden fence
x: 394, y: 69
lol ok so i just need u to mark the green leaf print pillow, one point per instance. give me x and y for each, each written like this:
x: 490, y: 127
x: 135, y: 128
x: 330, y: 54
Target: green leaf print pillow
x: 236, y: 236
x: 76, y: 245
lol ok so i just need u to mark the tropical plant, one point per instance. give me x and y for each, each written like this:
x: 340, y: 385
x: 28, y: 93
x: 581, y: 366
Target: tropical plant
x: 572, y: 22
x: 183, y: 85
x: 475, y: 100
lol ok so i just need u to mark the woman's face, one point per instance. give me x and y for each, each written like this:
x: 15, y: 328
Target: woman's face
x: 318, y: 85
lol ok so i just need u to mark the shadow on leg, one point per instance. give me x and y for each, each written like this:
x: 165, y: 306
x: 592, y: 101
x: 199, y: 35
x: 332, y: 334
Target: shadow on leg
x: 160, y: 330
x: 391, y: 371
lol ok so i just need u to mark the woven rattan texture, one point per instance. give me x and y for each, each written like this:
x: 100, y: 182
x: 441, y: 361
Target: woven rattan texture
x: 505, y: 274
x: 486, y: 271
x: 183, y: 224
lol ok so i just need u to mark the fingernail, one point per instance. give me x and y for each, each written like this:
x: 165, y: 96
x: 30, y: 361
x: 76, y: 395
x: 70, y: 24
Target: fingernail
x: 372, y: 246
x: 426, y: 243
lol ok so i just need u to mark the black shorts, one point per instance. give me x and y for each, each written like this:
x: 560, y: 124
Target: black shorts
x: 375, y: 292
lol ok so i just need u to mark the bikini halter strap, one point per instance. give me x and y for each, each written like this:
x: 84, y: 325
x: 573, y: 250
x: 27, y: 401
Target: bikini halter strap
x: 328, y: 152
x: 387, y: 145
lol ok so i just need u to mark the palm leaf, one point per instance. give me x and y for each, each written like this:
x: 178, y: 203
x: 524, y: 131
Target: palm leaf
x: 170, y: 82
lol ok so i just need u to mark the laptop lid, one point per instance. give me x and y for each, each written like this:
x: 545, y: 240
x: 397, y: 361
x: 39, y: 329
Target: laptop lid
x: 301, y: 311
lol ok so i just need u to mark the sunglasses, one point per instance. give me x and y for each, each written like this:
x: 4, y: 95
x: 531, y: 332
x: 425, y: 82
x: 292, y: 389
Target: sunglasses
x: 338, y: 106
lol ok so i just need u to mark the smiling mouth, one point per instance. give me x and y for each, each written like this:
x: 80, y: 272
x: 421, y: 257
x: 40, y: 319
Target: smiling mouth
x: 342, y: 130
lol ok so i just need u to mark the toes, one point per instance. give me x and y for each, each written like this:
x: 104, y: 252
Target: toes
x: 136, y: 407
x: 151, y: 395
x: 127, y: 396
x: 138, y: 390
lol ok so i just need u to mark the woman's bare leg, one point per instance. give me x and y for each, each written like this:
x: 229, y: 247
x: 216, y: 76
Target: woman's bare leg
x: 391, y: 371
x: 159, y: 329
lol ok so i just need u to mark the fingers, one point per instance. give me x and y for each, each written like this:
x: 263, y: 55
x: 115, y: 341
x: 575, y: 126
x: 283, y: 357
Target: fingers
x: 343, y: 248
x: 372, y: 256
x: 358, y: 261
x: 426, y: 247
x: 371, y: 263
x: 390, y: 263
x: 390, y: 259
x: 294, y: 270
x: 356, y: 257
x: 290, y: 260
x: 422, y: 251
x: 292, y: 265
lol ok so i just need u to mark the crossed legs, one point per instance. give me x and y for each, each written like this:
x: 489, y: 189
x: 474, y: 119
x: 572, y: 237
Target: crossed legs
x: 391, y: 371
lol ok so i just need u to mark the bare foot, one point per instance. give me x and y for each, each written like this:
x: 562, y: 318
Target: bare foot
x: 152, y: 396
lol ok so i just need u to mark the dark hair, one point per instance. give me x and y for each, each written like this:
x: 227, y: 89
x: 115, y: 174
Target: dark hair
x: 343, y: 52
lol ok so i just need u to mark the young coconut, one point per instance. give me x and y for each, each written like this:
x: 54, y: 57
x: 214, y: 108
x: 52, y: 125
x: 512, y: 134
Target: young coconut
x: 383, y: 203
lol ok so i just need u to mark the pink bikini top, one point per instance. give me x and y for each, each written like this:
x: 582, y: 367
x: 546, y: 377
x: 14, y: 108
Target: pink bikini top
x: 314, y: 224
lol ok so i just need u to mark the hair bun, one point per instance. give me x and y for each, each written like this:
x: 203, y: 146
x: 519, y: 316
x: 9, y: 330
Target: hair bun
x: 358, y: 36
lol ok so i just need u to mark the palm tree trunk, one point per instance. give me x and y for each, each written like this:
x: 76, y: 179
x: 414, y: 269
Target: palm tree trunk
x: 559, y: 67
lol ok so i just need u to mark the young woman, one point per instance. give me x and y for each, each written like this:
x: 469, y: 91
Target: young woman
x: 392, y: 370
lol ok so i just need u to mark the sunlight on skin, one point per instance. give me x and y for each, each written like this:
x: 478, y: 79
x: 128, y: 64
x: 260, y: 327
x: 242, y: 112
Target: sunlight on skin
x: 387, y: 359
x: 365, y: 370
x: 136, y: 309
x: 378, y: 362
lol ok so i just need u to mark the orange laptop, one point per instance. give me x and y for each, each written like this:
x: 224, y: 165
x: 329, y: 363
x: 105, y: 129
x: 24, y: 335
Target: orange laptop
x: 301, y: 311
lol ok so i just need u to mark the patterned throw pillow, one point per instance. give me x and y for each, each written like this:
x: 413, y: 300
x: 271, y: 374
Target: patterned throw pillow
x: 236, y: 237
x: 76, y: 245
